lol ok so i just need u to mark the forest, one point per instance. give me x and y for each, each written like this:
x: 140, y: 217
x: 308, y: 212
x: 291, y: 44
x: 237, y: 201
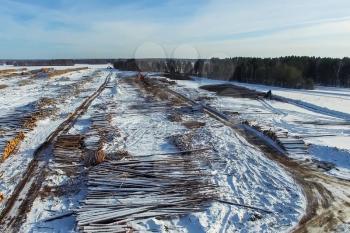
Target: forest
x: 291, y: 71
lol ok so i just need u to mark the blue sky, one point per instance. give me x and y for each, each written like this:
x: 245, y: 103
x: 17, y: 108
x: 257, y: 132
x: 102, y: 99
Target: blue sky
x: 173, y: 28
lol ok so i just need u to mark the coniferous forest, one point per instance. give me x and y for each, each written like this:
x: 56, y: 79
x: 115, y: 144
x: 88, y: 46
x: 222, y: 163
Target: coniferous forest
x: 292, y: 71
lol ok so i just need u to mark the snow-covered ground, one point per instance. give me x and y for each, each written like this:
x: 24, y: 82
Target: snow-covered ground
x: 243, y: 174
x: 19, y: 96
x: 319, y: 117
x: 43, y: 208
x: 102, y: 66
x: 247, y: 177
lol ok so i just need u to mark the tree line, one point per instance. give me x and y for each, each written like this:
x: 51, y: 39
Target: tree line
x: 291, y: 71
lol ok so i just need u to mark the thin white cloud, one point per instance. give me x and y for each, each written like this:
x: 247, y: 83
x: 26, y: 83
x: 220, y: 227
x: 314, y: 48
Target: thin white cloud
x: 235, y: 28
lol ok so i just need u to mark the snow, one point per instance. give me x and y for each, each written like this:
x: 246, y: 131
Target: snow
x: 247, y: 177
x: 327, y: 100
x: 341, y: 158
x: 102, y: 66
x: 244, y: 175
x: 15, y: 97
x: 320, y: 116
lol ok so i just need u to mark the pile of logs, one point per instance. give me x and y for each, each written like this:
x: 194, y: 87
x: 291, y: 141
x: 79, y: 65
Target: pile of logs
x: 94, y: 157
x: 101, y: 132
x: 95, y: 139
x: 65, y: 71
x: 121, y: 193
x: 17, y: 123
x: 50, y: 72
x: 68, y: 153
x: 12, y: 145
x: 13, y: 131
x: 3, y: 86
x: 11, y: 72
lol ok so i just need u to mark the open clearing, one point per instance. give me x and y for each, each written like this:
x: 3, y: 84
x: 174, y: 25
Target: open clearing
x: 90, y: 149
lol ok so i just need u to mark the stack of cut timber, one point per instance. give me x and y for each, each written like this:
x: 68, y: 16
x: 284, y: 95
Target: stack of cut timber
x: 290, y: 144
x: 15, y: 124
x: 68, y: 153
x: 121, y: 193
x: 100, y: 133
x: 101, y: 123
x: 69, y: 141
x: 294, y: 145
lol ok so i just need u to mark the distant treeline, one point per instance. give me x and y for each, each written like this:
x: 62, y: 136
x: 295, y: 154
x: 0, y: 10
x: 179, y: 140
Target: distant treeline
x: 293, y: 71
x: 56, y: 62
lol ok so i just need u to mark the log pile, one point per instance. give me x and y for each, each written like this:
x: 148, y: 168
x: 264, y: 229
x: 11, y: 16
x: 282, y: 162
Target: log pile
x: 65, y: 71
x: 3, y: 86
x: 121, y: 193
x: 68, y: 153
x: 6, y: 71
x: 12, y: 146
x: 50, y: 72
x: 73, y: 89
x: 11, y: 72
x: 94, y: 157
x: 96, y: 136
x: 21, y: 121
x: 101, y: 133
x: 92, y: 140
x: 12, y: 131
